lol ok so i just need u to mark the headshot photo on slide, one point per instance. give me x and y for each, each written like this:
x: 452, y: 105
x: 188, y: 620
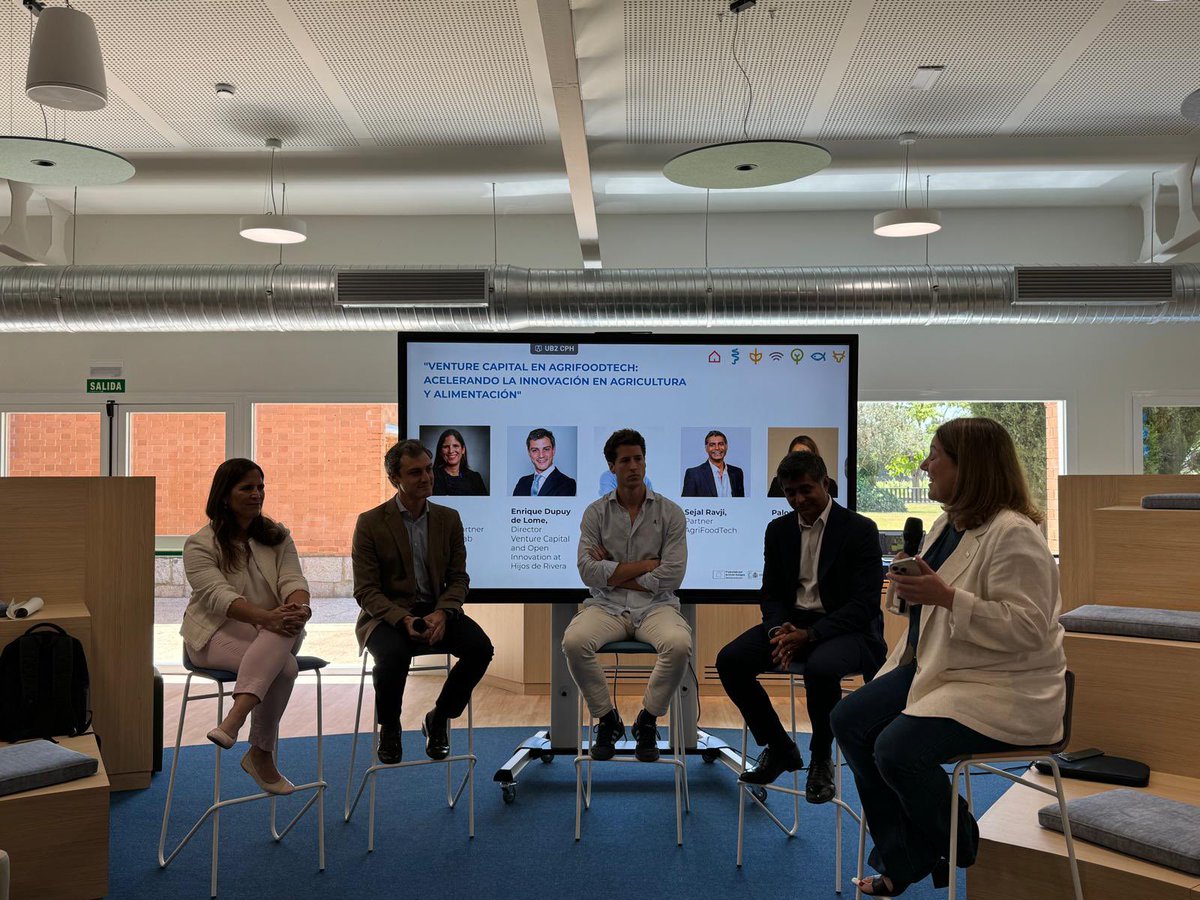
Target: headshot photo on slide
x: 822, y: 440
x: 543, y: 460
x: 462, y: 456
x: 716, y: 461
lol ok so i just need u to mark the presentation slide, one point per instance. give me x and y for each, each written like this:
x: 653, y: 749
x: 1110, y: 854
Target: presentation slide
x: 517, y: 427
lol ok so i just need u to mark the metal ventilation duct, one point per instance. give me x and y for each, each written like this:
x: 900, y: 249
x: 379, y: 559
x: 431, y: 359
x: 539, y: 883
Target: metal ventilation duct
x: 302, y: 298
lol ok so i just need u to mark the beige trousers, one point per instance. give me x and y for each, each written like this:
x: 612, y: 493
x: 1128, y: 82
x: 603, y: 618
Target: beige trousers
x: 265, y: 663
x: 664, y: 628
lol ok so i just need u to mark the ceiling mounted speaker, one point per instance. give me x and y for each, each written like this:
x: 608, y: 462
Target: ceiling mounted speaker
x: 66, y: 69
x: 1191, y: 107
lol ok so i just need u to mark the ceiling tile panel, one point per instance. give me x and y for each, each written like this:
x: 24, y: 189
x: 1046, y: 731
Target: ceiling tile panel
x: 116, y: 127
x: 1132, y: 79
x: 993, y: 54
x: 438, y: 72
x: 172, y: 53
x: 681, y: 81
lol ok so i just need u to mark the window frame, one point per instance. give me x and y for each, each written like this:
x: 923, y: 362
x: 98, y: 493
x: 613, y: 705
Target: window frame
x: 54, y: 404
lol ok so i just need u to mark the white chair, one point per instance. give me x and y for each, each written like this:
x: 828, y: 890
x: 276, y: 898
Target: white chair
x: 221, y: 678
x: 674, y: 746
x: 452, y: 794
x: 758, y: 793
x: 989, y: 762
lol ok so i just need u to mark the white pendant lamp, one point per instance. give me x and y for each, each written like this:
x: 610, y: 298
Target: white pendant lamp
x: 908, y: 221
x: 66, y: 69
x: 274, y: 227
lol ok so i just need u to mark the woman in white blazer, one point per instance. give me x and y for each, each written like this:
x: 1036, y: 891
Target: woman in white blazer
x: 982, y: 667
x: 247, y: 612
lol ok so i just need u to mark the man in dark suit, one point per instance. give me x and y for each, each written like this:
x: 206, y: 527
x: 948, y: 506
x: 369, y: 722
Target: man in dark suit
x: 714, y: 477
x: 546, y: 480
x: 410, y: 578
x: 822, y: 577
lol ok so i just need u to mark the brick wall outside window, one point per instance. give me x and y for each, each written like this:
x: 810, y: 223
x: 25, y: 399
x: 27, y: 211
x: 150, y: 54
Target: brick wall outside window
x: 182, y: 451
x: 48, y: 444
x: 324, y: 465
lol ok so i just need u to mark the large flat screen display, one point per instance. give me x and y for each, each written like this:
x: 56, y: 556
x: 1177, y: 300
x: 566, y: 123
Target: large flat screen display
x: 524, y: 418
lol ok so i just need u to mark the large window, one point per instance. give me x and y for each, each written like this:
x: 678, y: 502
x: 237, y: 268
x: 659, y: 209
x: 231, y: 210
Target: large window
x: 324, y: 465
x: 50, y: 443
x: 893, y: 438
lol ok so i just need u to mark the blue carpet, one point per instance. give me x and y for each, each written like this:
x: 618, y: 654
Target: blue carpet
x: 523, y: 849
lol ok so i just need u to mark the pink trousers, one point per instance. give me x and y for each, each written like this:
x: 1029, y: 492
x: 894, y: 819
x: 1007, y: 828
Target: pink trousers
x: 265, y: 663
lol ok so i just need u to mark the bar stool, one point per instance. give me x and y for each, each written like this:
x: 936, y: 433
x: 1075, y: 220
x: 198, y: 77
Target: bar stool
x: 988, y: 762
x: 452, y: 795
x: 221, y: 678
x: 677, y: 759
x: 758, y: 792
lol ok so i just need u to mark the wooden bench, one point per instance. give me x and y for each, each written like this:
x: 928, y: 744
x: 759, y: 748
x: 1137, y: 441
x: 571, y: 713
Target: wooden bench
x: 57, y: 836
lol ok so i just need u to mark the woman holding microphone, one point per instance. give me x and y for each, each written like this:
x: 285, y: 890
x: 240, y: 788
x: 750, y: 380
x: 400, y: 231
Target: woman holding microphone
x: 982, y: 668
x: 246, y: 613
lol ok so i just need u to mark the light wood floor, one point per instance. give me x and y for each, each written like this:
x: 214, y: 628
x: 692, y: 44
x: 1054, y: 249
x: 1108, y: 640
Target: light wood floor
x: 493, y: 707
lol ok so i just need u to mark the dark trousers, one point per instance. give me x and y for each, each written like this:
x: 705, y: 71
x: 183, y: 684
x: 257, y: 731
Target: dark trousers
x: 897, y: 764
x: 826, y: 663
x: 393, y: 652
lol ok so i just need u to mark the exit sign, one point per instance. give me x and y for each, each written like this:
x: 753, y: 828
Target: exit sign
x: 106, y: 385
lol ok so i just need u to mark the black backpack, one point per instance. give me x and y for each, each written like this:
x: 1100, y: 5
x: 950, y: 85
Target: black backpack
x: 43, y: 685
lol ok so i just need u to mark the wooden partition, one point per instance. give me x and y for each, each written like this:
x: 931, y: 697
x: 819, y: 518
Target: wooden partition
x: 86, y: 546
x: 1114, y: 552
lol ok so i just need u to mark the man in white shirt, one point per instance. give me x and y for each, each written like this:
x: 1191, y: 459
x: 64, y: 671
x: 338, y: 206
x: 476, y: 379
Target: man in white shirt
x: 632, y: 556
x: 822, y: 577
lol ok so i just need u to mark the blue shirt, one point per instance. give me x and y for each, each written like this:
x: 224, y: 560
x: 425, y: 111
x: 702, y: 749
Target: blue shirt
x: 418, y: 542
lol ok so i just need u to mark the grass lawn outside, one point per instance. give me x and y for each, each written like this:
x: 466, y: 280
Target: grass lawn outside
x: 894, y: 521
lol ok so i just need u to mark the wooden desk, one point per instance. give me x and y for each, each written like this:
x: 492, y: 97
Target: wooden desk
x: 57, y: 836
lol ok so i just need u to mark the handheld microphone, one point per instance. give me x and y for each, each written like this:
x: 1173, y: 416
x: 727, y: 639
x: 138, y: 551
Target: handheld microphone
x: 914, y: 530
x: 419, y: 625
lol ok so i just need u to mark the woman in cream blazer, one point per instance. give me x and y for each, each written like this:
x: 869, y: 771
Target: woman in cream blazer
x: 981, y: 669
x: 246, y: 613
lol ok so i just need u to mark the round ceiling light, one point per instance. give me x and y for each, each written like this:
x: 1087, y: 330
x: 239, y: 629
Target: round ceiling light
x: 61, y: 163
x: 908, y: 222
x: 271, y: 229
x: 746, y: 164
x: 66, y: 70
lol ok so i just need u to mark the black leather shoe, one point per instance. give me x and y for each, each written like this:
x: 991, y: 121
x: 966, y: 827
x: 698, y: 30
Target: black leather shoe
x: 819, y: 788
x: 437, y: 742
x: 391, y: 750
x: 645, y: 732
x: 772, y: 763
x: 605, y: 735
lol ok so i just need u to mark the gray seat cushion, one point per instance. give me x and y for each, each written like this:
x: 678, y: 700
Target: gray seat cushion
x: 1132, y: 621
x: 1146, y: 826
x: 1171, y: 501
x: 36, y: 764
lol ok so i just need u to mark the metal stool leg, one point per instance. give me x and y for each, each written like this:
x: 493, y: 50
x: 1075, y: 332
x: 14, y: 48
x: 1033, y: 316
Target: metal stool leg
x: 216, y: 818
x: 1062, y: 811
x: 347, y: 810
x: 162, y: 836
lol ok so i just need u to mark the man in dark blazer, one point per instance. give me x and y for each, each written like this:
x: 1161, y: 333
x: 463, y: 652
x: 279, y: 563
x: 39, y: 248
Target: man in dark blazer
x: 546, y: 480
x: 410, y: 578
x: 822, y: 577
x: 714, y: 477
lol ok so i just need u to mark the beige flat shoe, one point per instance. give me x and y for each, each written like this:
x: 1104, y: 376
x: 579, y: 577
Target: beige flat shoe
x: 281, y: 787
x: 222, y: 739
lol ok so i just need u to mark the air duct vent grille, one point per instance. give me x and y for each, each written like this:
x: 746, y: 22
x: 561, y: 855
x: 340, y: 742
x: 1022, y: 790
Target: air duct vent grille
x: 1094, y: 286
x: 399, y: 288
